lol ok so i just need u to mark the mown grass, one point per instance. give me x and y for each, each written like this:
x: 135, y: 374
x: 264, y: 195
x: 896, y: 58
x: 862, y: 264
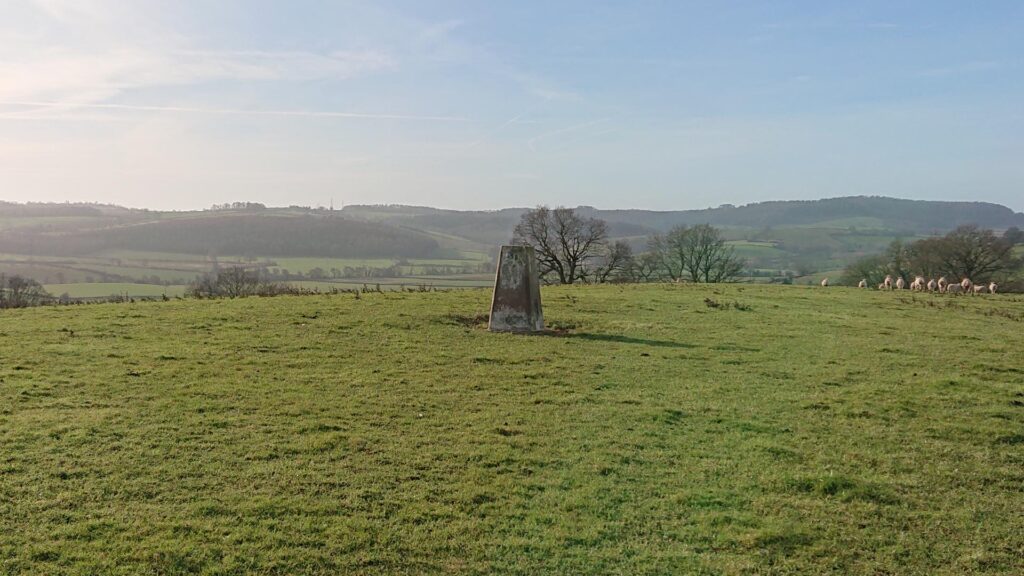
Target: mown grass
x: 659, y: 429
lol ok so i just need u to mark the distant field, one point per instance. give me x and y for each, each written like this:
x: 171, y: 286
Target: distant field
x: 8, y: 222
x: 410, y: 266
x: 662, y: 429
x: 749, y: 249
x: 816, y: 278
x: 115, y: 267
x: 862, y: 223
x: 101, y: 290
x: 411, y: 282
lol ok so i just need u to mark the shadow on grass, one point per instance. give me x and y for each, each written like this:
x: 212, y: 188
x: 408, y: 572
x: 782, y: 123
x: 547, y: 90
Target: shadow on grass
x: 621, y: 339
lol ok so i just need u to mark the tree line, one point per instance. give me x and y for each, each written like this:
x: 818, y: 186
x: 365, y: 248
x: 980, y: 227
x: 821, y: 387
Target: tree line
x: 20, y: 292
x: 967, y: 252
x: 571, y: 248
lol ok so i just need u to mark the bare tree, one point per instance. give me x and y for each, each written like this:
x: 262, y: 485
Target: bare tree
x: 711, y: 259
x: 967, y: 252
x: 563, y: 241
x: 668, y: 252
x: 898, y: 255
x: 645, y: 267
x: 927, y: 257
x: 977, y: 254
x: 234, y: 282
x: 697, y: 254
x: 615, y: 264
x: 870, y: 268
x: 19, y: 292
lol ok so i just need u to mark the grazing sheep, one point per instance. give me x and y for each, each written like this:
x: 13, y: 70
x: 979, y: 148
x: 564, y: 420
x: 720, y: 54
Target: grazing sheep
x: 824, y: 282
x: 943, y: 283
x: 980, y: 288
x: 954, y: 289
x: 992, y: 287
x: 862, y: 284
x: 932, y: 285
x: 900, y: 283
x: 881, y: 286
x: 888, y: 282
x: 918, y: 284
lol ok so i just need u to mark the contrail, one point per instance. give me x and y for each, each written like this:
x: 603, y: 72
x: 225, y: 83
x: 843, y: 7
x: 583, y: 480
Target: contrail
x: 234, y: 112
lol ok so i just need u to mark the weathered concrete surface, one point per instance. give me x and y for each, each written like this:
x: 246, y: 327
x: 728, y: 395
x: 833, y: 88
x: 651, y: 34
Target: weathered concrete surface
x: 516, y: 303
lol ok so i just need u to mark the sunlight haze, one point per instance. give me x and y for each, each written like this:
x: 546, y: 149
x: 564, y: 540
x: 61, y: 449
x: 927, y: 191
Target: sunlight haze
x: 459, y: 104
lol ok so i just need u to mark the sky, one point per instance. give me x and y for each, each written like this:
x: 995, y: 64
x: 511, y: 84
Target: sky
x: 182, y: 104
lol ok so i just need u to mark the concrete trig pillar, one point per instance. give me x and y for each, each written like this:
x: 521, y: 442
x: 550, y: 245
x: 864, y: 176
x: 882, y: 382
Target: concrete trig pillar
x: 516, y: 303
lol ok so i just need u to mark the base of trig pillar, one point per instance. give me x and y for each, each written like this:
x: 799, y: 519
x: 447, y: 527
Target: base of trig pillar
x: 516, y: 303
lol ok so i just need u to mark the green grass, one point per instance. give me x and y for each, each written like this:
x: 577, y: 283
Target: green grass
x: 664, y: 429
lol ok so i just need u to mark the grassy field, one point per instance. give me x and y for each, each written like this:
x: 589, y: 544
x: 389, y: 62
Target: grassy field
x: 660, y: 429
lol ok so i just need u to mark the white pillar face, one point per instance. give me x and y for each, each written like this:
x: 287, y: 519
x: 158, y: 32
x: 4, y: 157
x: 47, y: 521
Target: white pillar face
x: 516, y: 306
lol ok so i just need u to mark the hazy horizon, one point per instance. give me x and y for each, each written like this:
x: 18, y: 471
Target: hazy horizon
x: 339, y: 207
x: 459, y: 105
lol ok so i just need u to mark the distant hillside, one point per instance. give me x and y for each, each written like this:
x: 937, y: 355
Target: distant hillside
x: 906, y: 217
x: 270, y: 234
x: 912, y: 216
x: 807, y: 236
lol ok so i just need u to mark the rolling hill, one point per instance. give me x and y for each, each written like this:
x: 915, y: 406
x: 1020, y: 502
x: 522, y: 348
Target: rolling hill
x: 72, y: 244
x: 273, y: 233
x: 906, y: 217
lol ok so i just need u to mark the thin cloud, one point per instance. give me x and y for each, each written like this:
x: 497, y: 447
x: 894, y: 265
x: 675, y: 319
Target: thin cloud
x: 532, y: 143
x: 94, y: 76
x: 230, y: 111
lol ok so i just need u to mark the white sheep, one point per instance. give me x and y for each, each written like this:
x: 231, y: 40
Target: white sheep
x: 888, y: 282
x: 932, y: 285
x: 992, y: 287
x: 966, y: 284
x: 881, y: 286
x: 900, y: 283
x: 954, y: 289
x: 862, y: 284
x: 824, y: 282
x: 943, y: 283
x: 918, y: 284
x: 980, y: 288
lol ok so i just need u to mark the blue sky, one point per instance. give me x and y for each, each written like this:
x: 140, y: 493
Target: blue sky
x: 469, y: 104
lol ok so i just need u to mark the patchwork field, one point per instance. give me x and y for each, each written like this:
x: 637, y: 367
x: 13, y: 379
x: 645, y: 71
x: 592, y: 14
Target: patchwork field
x: 659, y: 429
x: 104, y: 290
x: 148, y: 274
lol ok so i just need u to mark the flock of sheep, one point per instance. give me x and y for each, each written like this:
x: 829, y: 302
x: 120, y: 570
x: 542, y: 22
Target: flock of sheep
x: 941, y: 285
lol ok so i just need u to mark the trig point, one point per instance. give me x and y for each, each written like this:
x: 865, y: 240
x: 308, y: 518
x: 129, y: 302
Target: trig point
x: 516, y: 304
